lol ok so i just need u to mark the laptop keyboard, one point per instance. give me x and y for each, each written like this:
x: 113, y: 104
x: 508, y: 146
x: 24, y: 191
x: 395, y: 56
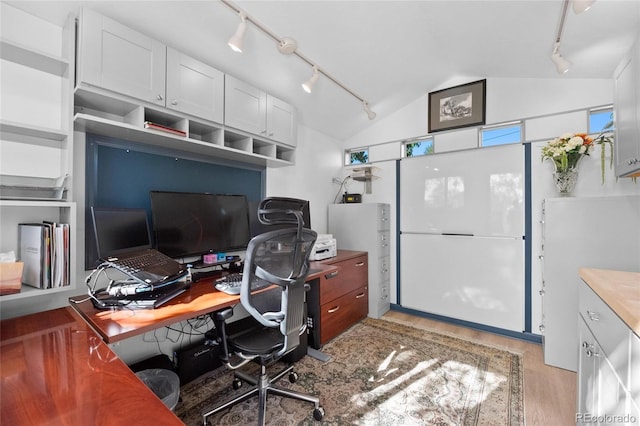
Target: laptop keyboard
x: 138, y: 263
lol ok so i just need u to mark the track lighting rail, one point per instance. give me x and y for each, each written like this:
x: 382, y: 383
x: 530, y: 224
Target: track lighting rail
x: 244, y: 16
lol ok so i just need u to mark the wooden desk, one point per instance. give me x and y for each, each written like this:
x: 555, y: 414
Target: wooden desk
x: 55, y: 370
x: 202, y: 298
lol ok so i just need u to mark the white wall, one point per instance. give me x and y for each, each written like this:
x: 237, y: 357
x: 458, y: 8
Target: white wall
x: 318, y: 159
x: 553, y: 107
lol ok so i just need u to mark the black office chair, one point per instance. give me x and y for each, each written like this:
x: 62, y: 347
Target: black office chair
x: 280, y: 257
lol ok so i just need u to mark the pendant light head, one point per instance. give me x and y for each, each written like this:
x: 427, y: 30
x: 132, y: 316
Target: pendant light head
x: 580, y: 6
x: 370, y: 113
x: 308, y: 85
x: 237, y: 39
x: 562, y: 65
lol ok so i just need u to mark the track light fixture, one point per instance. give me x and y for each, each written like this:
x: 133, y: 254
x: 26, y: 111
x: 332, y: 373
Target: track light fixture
x: 580, y: 6
x: 370, y: 113
x: 308, y: 85
x: 237, y: 39
x: 562, y: 65
x: 287, y: 45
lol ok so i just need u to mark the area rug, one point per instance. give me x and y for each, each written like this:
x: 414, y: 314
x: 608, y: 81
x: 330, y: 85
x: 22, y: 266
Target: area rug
x: 382, y: 373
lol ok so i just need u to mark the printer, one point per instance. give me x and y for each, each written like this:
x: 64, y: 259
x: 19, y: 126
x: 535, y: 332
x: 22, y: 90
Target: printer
x: 324, y: 248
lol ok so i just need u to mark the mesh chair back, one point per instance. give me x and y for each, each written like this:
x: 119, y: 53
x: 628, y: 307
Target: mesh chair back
x: 280, y: 257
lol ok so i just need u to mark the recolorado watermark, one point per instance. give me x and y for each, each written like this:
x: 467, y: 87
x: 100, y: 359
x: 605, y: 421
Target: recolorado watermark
x: 605, y: 418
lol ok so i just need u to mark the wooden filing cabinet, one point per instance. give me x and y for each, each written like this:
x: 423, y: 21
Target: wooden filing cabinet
x: 339, y: 299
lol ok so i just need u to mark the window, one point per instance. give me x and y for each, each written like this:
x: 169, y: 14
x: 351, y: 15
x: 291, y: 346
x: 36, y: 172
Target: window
x: 600, y: 120
x: 357, y: 156
x: 501, y: 134
x: 416, y: 148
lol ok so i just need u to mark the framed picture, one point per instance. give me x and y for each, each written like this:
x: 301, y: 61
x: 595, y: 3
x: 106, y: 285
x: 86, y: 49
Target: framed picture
x: 456, y: 107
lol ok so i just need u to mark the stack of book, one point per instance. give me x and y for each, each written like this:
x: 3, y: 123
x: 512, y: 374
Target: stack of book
x: 44, y: 250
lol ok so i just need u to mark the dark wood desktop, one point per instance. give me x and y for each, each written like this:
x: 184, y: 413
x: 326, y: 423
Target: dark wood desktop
x: 202, y: 298
x: 55, y: 370
x: 56, y: 367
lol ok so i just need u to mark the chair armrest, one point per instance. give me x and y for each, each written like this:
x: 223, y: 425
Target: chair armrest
x: 219, y: 320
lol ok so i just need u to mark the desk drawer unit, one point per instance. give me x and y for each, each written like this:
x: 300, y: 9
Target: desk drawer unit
x: 337, y: 300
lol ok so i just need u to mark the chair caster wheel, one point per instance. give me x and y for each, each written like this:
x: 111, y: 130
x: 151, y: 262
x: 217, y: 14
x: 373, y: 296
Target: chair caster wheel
x: 318, y: 413
x: 237, y: 384
x: 293, y: 377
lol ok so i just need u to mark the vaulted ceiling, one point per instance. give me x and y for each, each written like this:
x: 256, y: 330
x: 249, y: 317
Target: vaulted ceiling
x: 388, y: 52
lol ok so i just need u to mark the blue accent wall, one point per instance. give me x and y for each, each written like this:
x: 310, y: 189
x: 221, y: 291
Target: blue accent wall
x: 120, y: 173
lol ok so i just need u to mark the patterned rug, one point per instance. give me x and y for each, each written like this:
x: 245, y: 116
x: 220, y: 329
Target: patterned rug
x: 382, y: 373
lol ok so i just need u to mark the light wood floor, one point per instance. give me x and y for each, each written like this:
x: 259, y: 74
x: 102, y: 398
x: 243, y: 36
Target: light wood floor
x: 549, y: 392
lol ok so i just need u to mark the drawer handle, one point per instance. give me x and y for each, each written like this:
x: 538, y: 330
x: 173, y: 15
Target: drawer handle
x: 331, y: 275
x: 332, y: 310
x: 360, y: 296
x: 360, y: 264
x: 593, y: 316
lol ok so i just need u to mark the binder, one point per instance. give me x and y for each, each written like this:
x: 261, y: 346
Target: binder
x: 44, y: 249
x: 32, y: 252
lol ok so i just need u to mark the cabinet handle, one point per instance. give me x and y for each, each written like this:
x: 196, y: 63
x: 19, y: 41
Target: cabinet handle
x: 360, y: 296
x: 174, y: 102
x: 591, y: 353
x: 541, y: 292
x: 331, y: 275
x: 159, y: 97
x: 360, y: 264
x: 332, y: 310
x: 593, y: 316
x: 541, y: 328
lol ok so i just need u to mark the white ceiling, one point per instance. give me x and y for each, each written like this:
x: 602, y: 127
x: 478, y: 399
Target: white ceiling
x: 388, y: 52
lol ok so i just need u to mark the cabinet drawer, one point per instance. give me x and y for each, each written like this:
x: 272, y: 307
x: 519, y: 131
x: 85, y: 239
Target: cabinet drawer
x: 353, y: 274
x: 608, y: 329
x: 340, y: 314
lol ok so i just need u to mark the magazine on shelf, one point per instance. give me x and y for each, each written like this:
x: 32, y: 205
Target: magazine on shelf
x: 156, y: 126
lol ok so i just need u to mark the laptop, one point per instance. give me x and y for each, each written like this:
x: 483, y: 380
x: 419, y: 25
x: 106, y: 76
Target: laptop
x: 123, y: 242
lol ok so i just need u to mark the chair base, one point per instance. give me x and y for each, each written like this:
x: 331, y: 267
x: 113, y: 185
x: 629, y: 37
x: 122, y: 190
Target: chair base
x: 262, y: 386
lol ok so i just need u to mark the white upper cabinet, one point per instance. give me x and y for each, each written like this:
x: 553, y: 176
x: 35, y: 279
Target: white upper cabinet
x: 281, y: 121
x: 117, y: 58
x: 245, y: 107
x: 627, y: 114
x: 253, y: 110
x: 194, y: 87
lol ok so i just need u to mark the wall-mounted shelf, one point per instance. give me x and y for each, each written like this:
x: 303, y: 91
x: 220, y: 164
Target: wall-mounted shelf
x: 106, y: 114
x: 33, y: 58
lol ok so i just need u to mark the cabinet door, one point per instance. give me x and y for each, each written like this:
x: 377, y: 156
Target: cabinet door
x: 627, y: 114
x: 118, y: 58
x: 194, y: 87
x: 587, y: 379
x: 281, y: 121
x: 245, y: 106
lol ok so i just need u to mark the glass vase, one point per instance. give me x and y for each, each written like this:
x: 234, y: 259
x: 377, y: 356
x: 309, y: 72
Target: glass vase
x: 565, y: 181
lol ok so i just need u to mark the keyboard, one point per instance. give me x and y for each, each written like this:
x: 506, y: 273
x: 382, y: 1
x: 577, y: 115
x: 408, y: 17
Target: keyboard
x: 232, y: 283
x: 148, y: 267
x: 141, y: 262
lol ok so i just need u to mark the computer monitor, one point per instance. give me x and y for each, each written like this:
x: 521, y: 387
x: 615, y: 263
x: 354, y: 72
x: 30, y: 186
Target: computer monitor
x: 192, y: 224
x: 120, y: 230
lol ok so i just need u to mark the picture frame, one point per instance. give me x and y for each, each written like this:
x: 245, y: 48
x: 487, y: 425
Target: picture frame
x: 457, y: 107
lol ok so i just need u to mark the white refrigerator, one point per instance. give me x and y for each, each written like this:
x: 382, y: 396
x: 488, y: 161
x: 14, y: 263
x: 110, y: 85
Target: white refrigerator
x: 594, y: 232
